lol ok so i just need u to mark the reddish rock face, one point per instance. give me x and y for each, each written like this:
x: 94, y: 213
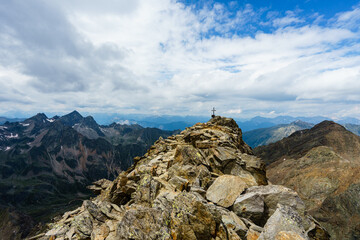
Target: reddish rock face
x: 322, y: 164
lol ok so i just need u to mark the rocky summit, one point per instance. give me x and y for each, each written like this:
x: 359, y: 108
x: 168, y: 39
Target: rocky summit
x: 204, y: 183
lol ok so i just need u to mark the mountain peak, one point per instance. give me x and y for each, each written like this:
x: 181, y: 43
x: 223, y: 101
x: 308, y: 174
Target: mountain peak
x: 223, y: 121
x: 327, y: 133
x: 74, y: 114
x: 195, y: 185
x: 72, y: 118
x: 38, y: 117
x: 329, y: 125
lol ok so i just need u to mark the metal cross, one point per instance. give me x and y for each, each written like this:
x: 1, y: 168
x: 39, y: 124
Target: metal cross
x: 213, y: 110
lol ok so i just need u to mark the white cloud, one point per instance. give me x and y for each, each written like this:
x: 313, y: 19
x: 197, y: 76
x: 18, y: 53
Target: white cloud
x: 159, y: 57
x: 290, y: 18
x: 234, y: 111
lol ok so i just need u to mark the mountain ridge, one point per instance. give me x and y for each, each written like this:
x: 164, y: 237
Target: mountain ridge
x: 317, y: 136
x: 203, y: 183
x: 47, y: 163
x: 264, y: 136
x: 323, y: 165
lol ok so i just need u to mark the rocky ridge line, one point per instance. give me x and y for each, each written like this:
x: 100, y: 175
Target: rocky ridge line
x: 204, y: 183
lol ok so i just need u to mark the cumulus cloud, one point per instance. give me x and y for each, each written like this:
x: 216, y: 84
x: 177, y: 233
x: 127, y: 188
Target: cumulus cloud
x: 234, y: 111
x: 168, y: 58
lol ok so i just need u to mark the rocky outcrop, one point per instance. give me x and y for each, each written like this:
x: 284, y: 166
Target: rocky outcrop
x: 193, y: 185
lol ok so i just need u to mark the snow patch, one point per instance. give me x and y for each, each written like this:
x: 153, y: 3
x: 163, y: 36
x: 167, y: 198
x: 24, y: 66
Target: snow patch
x: 3, y: 127
x: 50, y: 120
x: 7, y: 148
x: 25, y: 124
x: 126, y: 122
x: 13, y: 136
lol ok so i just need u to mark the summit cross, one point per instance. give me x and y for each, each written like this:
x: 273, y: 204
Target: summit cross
x: 213, y: 110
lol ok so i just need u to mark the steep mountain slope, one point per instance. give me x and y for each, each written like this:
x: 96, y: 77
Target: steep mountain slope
x: 352, y: 128
x: 46, y: 163
x: 264, y: 136
x: 203, y: 183
x: 323, y: 165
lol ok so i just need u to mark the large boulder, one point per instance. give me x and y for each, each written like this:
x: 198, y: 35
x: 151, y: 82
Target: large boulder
x: 143, y: 223
x: 226, y: 189
x: 284, y: 222
x: 251, y: 206
x: 269, y: 196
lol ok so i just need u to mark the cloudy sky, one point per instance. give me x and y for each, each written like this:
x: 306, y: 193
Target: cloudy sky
x: 246, y: 58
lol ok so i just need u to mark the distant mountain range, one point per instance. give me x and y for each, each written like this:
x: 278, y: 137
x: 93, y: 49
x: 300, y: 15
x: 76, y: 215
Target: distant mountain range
x: 265, y: 136
x: 352, y: 128
x: 5, y: 119
x: 46, y: 163
x: 175, y: 122
x: 181, y: 122
x: 323, y: 165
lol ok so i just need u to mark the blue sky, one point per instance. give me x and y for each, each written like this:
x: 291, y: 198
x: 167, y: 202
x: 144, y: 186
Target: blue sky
x: 246, y: 58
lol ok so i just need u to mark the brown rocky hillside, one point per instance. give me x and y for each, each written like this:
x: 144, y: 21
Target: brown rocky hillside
x: 204, y: 183
x: 322, y: 164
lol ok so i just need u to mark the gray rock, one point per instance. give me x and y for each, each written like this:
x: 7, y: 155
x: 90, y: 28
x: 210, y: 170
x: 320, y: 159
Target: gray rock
x: 274, y: 194
x: 143, y: 223
x: 233, y: 222
x: 285, y: 221
x: 179, y: 183
x: 83, y: 225
x: 191, y: 218
x: 226, y: 189
x: 251, y: 206
x: 94, y: 210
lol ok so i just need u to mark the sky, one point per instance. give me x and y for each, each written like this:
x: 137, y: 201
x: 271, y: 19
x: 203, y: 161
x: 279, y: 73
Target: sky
x: 246, y: 58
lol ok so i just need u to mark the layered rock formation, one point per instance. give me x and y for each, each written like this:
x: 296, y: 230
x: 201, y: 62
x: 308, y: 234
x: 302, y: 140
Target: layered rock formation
x: 323, y: 165
x: 203, y: 183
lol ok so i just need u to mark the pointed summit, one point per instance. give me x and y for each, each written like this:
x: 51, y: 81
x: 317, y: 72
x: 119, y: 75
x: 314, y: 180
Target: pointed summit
x: 40, y: 117
x: 72, y: 118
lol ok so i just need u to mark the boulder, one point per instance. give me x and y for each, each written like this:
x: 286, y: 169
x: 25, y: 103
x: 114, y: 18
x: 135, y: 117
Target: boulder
x: 83, y: 225
x: 191, y: 218
x: 143, y: 223
x: 226, y: 189
x: 275, y: 194
x: 251, y: 206
x: 234, y: 224
x: 285, y: 222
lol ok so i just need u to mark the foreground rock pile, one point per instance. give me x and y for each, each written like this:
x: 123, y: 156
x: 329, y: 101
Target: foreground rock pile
x: 204, y: 183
